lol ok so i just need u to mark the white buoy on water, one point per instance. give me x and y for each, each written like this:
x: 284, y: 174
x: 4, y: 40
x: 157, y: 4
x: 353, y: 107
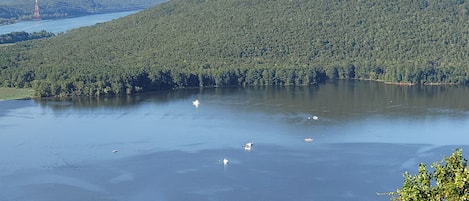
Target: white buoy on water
x: 196, y: 103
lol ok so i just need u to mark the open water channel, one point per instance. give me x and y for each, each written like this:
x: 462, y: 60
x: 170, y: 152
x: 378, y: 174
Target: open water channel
x: 159, y: 146
x: 61, y: 25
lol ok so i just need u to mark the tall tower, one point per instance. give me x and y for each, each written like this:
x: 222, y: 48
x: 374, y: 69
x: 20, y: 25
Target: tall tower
x: 36, y: 11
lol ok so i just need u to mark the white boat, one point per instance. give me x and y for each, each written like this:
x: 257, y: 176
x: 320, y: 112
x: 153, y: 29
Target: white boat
x: 196, y: 103
x: 309, y: 139
x: 225, y: 161
x: 248, y: 146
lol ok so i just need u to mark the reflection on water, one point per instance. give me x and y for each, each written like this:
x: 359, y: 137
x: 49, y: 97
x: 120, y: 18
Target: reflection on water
x: 366, y: 136
x: 340, y: 99
x: 351, y: 98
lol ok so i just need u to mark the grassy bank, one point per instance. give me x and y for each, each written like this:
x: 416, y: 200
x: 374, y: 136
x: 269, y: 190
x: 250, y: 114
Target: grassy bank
x: 13, y: 93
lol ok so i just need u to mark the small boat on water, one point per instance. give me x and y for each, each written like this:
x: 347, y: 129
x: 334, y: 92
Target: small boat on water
x: 248, y: 146
x: 309, y: 139
x: 225, y: 161
x: 196, y: 103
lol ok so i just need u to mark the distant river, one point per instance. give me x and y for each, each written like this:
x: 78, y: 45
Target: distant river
x: 158, y: 146
x: 61, y: 25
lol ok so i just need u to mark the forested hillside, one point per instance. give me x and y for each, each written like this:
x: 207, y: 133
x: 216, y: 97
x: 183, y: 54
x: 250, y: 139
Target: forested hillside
x: 184, y: 43
x: 14, y: 10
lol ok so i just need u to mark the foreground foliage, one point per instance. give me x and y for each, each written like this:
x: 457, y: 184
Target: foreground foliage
x: 184, y: 43
x: 449, y: 181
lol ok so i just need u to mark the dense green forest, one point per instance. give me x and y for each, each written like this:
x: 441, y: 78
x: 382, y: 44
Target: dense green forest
x: 14, y: 10
x: 14, y: 37
x: 184, y: 43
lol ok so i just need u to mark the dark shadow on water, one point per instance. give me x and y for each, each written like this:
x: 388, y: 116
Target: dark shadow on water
x: 89, y: 103
x: 338, y: 99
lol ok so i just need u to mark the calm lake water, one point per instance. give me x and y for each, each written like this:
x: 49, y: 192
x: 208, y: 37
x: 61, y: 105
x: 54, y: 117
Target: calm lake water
x: 61, y: 25
x: 366, y: 135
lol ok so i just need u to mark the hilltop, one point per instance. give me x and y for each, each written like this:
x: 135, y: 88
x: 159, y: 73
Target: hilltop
x: 184, y: 43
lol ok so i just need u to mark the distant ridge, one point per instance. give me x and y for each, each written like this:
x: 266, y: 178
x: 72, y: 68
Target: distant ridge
x: 184, y: 43
x: 12, y: 11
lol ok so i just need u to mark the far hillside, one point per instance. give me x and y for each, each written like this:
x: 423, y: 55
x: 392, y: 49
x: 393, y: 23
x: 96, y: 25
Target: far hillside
x: 200, y: 43
x: 15, y: 10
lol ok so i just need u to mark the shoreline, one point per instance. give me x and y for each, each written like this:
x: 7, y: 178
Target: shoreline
x: 70, y: 15
x: 412, y: 84
x: 7, y: 93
